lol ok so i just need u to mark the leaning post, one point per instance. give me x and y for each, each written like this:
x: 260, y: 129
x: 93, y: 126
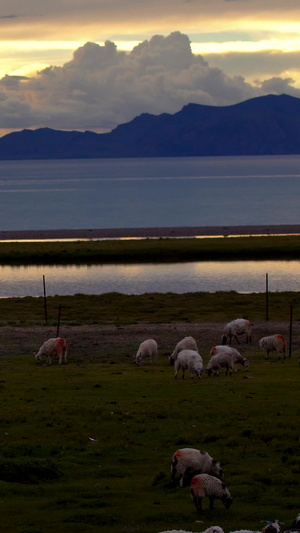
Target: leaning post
x: 45, y: 300
x: 291, y: 330
x: 58, y: 321
x: 267, y: 297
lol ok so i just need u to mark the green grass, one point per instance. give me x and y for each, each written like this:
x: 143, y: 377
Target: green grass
x: 120, y: 309
x: 154, y: 250
x: 54, y: 478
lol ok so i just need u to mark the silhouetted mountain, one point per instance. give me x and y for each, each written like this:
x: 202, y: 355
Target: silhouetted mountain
x: 268, y: 125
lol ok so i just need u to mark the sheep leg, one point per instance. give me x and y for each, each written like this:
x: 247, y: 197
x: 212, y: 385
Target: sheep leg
x: 211, y: 502
x: 198, y: 503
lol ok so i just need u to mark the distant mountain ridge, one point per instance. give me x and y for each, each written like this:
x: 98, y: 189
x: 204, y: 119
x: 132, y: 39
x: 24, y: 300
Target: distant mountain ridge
x: 267, y: 125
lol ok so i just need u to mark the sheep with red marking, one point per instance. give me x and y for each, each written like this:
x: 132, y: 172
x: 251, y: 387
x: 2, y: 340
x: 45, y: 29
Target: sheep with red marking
x: 204, y: 485
x: 53, y: 347
x: 189, y: 360
x: 188, y: 343
x: 237, y: 327
x: 147, y: 348
x: 238, y: 359
x: 189, y: 461
x: 273, y: 343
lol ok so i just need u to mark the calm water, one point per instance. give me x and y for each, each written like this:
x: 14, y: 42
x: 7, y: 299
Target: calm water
x: 214, y: 276
x: 115, y: 193
x: 128, y: 193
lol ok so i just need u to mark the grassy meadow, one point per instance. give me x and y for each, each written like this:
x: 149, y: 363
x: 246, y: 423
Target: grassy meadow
x: 87, y: 446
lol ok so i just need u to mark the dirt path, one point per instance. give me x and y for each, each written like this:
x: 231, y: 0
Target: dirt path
x: 97, y: 340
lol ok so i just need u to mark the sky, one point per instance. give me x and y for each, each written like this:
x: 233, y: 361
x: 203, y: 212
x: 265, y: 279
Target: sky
x: 94, y: 64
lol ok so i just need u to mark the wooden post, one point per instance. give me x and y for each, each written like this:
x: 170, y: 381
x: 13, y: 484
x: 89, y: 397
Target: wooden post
x: 58, y: 321
x: 267, y: 297
x: 291, y: 330
x: 45, y: 300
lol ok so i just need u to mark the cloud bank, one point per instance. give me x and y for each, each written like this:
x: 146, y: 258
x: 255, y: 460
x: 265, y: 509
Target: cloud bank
x: 102, y: 87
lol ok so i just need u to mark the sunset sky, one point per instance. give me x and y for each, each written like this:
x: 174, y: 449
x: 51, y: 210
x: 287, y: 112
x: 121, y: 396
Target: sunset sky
x: 93, y: 64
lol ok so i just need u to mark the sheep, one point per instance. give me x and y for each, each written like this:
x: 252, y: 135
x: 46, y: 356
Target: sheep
x: 238, y: 359
x: 220, y: 360
x: 273, y: 343
x: 147, y: 348
x: 188, y: 343
x: 237, y: 327
x: 189, y: 360
x: 205, y: 485
x: 51, y: 347
x: 189, y: 461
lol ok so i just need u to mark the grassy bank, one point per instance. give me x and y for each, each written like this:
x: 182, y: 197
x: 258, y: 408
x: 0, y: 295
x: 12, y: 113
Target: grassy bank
x: 149, y: 308
x: 153, y: 250
x: 87, y: 447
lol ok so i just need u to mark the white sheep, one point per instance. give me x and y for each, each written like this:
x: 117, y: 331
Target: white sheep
x: 204, y: 485
x: 237, y: 327
x: 238, y: 359
x: 56, y: 346
x: 188, y: 343
x: 189, y: 360
x: 189, y: 461
x: 147, y: 348
x: 273, y: 343
x: 220, y: 360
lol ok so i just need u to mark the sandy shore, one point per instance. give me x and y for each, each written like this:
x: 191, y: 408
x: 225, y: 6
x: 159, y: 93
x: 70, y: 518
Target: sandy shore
x: 118, y: 233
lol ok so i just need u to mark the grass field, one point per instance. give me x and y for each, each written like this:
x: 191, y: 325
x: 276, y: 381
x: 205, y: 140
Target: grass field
x: 87, y: 446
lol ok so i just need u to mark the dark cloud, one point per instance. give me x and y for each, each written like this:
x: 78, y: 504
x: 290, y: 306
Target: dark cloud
x: 102, y: 87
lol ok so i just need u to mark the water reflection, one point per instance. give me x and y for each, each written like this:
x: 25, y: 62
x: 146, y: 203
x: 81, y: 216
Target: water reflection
x: 209, y: 276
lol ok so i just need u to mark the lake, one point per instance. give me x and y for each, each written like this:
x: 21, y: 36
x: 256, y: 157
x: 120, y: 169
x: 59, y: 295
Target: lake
x: 207, y: 276
x: 156, y: 192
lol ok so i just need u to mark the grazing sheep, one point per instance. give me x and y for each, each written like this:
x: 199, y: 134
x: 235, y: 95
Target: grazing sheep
x: 52, y: 347
x: 204, y: 485
x: 237, y: 327
x: 273, y: 343
x: 147, y: 348
x: 189, y: 360
x: 238, y: 359
x: 220, y: 360
x: 189, y: 461
x: 188, y: 343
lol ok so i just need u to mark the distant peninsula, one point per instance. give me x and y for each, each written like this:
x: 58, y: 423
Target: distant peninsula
x: 267, y: 125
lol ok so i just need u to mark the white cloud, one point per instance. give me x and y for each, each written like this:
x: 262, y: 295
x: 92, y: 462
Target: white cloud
x: 102, y: 87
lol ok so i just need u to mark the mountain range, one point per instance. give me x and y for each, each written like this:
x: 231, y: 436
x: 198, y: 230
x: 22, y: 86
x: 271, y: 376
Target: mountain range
x: 266, y: 125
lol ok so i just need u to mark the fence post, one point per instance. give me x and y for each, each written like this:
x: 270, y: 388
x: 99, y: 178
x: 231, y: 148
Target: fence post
x: 267, y: 297
x: 291, y: 328
x: 45, y: 300
x: 58, y: 321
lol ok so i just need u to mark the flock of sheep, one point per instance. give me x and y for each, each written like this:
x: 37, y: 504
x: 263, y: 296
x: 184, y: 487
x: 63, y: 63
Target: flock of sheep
x: 186, y: 357
x: 204, y: 472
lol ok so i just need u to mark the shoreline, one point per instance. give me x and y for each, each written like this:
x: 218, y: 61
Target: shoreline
x: 144, y: 233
